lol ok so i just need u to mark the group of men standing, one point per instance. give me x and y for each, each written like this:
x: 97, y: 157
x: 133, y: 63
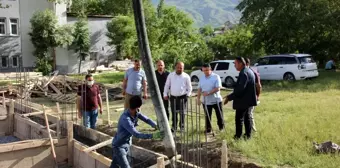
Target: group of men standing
x: 175, y: 87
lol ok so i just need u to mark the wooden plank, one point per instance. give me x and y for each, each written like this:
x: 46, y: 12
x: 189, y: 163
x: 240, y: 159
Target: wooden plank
x: 70, y: 143
x: 55, y: 88
x: 18, y: 135
x: 100, y: 145
x: 106, y: 161
x: 224, y: 159
x: 32, y: 114
x: 9, y: 147
x: 107, y: 107
x: 48, y: 82
x: 58, y: 120
x: 160, y: 162
x: 51, y: 140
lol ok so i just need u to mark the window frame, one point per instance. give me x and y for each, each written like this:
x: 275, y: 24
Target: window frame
x: 5, y: 26
x: 10, y: 26
x: 223, y: 69
x: 17, y: 57
x: 213, y: 67
x: 7, y: 61
x: 258, y: 61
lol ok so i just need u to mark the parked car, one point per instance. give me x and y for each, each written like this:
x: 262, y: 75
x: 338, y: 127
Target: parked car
x: 224, y: 68
x: 288, y: 67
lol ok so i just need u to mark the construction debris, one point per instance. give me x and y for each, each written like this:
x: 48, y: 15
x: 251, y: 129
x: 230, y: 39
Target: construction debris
x: 58, y: 88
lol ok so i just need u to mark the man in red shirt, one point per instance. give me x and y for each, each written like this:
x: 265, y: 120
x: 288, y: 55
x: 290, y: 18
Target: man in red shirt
x: 88, y: 102
x: 258, y: 92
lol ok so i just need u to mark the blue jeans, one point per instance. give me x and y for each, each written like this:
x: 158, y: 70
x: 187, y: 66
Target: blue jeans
x: 119, y: 157
x: 90, y: 118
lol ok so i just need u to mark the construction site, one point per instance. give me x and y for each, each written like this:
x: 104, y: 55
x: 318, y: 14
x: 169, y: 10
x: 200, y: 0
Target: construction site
x: 39, y: 127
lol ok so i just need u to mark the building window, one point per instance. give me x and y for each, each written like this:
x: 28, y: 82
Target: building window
x: 4, y: 62
x: 93, y: 56
x: 15, y: 61
x: 14, y: 26
x: 2, y: 26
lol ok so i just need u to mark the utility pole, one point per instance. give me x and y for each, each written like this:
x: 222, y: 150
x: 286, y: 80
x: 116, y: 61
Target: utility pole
x: 144, y: 51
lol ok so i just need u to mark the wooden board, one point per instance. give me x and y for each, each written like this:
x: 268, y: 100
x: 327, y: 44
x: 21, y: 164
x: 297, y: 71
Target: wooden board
x: 10, y: 147
x: 37, y: 157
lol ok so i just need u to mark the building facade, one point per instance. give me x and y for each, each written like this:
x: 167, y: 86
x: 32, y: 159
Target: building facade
x: 16, y: 48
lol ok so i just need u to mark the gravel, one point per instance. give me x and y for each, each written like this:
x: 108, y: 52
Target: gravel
x: 8, y: 139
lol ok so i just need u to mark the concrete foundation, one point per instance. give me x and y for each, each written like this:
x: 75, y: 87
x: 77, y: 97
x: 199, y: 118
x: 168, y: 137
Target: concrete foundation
x: 34, y: 148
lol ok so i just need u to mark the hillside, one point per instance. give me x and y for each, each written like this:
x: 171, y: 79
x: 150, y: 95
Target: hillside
x: 213, y: 12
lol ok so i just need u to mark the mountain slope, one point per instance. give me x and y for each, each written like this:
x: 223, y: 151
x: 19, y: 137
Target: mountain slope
x: 213, y: 12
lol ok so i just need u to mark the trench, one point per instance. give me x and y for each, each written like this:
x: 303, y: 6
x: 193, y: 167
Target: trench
x: 210, y: 153
x: 107, y: 152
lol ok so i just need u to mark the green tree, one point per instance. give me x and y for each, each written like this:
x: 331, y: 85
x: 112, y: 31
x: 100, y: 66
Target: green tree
x: 170, y: 32
x: 81, y: 43
x: 309, y: 26
x: 122, y: 34
x: 235, y: 42
x: 207, y: 31
x: 46, y: 35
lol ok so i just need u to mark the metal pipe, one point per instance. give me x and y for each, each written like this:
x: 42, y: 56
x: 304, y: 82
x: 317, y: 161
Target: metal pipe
x: 145, y: 53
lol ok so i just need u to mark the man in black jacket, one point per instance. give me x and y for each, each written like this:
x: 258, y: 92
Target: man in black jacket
x: 243, y: 97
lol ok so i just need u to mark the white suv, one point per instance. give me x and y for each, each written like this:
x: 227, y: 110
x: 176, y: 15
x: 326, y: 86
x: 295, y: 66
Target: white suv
x: 287, y: 67
x: 224, y: 68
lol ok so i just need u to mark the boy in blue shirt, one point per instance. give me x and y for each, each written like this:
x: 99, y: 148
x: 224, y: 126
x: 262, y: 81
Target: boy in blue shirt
x: 126, y: 129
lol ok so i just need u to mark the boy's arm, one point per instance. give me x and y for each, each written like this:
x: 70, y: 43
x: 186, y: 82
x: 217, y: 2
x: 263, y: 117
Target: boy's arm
x: 129, y: 126
x: 147, y: 120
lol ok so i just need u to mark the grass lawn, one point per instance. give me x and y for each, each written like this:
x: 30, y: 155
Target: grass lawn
x: 290, y: 117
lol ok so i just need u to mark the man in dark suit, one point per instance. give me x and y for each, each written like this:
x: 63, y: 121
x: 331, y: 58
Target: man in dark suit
x: 162, y: 75
x: 243, y: 97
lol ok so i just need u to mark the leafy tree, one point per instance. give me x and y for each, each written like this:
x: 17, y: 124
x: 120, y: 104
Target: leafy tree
x: 46, y: 35
x: 170, y: 32
x: 235, y: 42
x: 81, y: 43
x: 207, y: 31
x: 122, y: 34
x: 309, y: 26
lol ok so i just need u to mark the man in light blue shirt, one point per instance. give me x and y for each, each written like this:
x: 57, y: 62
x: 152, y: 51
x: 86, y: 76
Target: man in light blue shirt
x: 133, y: 82
x: 330, y: 65
x: 209, y: 86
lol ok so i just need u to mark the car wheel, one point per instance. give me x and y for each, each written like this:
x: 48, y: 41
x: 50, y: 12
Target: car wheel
x: 288, y: 77
x: 195, y: 79
x: 229, y: 81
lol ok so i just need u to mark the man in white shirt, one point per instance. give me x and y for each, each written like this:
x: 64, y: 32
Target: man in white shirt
x: 178, y: 87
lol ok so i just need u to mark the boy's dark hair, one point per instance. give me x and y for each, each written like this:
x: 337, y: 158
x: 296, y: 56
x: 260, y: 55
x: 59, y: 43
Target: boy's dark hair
x: 135, y: 102
x: 88, y: 76
x: 137, y: 60
x: 247, y: 60
x: 240, y: 60
x: 206, y: 66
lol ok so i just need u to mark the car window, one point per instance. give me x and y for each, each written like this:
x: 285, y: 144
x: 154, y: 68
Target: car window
x: 307, y: 59
x: 263, y: 61
x: 222, y: 66
x: 276, y: 60
x: 290, y: 60
x: 212, y: 65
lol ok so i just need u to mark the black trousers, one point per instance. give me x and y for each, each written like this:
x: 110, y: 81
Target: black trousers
x: 166, y: 106
x: 242, y: 116
x: 178, y: 106
x: 208, y: 115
